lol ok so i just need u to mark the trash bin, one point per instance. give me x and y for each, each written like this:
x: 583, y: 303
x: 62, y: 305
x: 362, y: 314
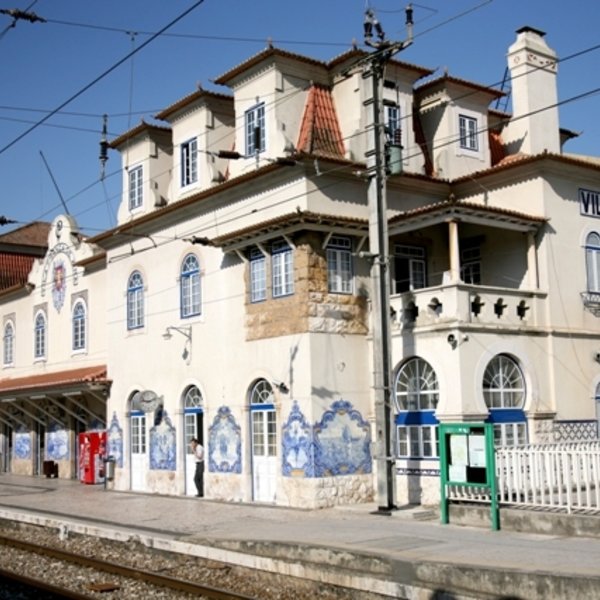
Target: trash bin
x: 109, y: 468
x: 50, y: 468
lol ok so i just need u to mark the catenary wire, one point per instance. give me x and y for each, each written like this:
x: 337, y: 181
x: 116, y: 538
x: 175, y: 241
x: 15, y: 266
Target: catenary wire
x: 101, y: 76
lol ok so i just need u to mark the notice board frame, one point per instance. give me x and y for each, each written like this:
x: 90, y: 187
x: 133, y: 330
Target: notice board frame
x: 467, y: 459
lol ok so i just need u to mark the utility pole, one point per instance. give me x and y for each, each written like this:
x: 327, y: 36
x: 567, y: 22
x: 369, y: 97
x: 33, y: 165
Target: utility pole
x: 379, y: 253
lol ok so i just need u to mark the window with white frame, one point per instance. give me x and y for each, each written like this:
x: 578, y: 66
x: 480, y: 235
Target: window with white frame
x: 416, y: 397
x: 470, y: 265
x: 189, y: 162
x: 409, y: 268
x: 283, y: 269
x: 190, y: 286
x: 258, y: 276
x: 504, y: 395
x: 392, y: 123
x: 136, y: 178
x: 255, y: 129
x: 592, y: 261
x: 135, y: 301
x: 79, y: 326
x: 467, y: 127
x: 8, y: 343
x: 264, y: 420
x: 339, y: 265
x: 40, y: 335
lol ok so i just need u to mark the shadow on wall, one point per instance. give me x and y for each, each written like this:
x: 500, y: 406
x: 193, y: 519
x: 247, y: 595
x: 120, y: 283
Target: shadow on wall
x: 445, y: 595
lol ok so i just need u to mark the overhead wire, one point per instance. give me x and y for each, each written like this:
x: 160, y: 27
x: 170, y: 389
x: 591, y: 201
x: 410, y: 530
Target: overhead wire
x: 406, y: 116
x: 101, y: 76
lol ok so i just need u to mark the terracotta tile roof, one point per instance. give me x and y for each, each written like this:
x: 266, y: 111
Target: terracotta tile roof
x: 356, y: 54
x: 14, y: 269
x: 48, y: 381
x: 137, y: 130
x: 32, y: 234
x: 189, y: 99
x: 516, y: 160
x: 446, y: 209
x: 320, y: 130
x: 497, y: 149
x: 439, y: 81
x: 302, y: 219
x: 267, y: 53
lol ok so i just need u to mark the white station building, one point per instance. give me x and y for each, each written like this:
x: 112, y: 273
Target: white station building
x: 232, y: 302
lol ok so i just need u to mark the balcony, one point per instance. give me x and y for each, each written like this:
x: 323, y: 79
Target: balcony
x: 461, y: 303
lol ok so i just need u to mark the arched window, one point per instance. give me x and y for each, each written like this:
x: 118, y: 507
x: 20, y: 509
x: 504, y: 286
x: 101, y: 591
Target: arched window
x: 193, y: 405
x: 9, y: 344
x: 503, y: 383
x: 40, y: 335
x: 261, y: 393
x: 417, y: 395
x: 504, y: 395
x: 263, y: 423
x: 592, y: 261
x: 193, y: 398
x: 135, y: 301
x: 79, y: 326
x: 190, y: 286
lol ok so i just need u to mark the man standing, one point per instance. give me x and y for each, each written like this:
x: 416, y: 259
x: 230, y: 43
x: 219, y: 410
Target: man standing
x: 198, y: 452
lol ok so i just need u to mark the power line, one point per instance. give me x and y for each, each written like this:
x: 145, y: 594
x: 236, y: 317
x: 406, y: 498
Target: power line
x: 199, y: 36
x: 405, y: 116
x: 101, y: 76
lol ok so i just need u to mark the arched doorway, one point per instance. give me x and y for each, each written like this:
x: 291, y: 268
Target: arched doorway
x: 138, y: 445
x: 193, y: 418
x: 263, y: 426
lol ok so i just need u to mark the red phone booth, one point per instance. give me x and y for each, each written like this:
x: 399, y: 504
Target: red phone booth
x: 92, y: 448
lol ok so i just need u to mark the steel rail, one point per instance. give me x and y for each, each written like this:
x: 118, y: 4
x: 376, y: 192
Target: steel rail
x: 181, y: 585
x: 31, y: 582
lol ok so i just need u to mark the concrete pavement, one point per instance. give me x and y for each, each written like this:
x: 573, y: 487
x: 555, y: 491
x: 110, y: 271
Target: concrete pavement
x: 400, y: 555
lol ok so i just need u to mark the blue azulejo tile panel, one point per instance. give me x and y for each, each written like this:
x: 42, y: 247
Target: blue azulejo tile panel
x: 224, y: 443
x: 57, y: 443
x: 297, y: 443
x: 342, y: 442
x: 163, y: 444
x: 115, y: 441
x: 22, y: 443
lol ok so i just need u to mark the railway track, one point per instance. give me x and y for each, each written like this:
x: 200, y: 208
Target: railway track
x: 91, y: 578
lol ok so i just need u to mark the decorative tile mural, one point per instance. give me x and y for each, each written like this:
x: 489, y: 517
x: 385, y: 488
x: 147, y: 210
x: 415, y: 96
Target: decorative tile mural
x: 297, y: 445
x: 57, y: 443
x: 342, y: 442
x: 224, y: 443
x: 115, y: 441
x: 22, y: 443
x: 163, y: 444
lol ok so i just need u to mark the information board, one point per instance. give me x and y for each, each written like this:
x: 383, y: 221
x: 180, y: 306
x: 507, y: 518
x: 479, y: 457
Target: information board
x: 467, y: 459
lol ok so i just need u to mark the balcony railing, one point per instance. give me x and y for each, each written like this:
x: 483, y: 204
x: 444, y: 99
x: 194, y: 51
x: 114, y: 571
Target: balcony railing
x: 466, y: 303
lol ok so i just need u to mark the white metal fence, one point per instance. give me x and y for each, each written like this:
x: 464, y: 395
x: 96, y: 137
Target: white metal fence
x: 562, y: 476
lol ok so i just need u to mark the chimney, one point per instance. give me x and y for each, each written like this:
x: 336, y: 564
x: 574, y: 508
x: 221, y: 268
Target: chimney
x: 534, y: 127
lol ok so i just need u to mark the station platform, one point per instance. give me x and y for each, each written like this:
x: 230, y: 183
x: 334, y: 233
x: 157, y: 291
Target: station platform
x: 407, y: 554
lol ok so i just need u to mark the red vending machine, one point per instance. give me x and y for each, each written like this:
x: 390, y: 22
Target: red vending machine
x: 92, y: 450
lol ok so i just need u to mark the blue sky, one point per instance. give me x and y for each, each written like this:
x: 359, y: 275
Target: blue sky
x: 45, y: 64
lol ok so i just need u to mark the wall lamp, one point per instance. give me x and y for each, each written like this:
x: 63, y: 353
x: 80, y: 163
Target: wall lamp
x: 185, y: 331
x: 454, y: 340
x: 284, y: 389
